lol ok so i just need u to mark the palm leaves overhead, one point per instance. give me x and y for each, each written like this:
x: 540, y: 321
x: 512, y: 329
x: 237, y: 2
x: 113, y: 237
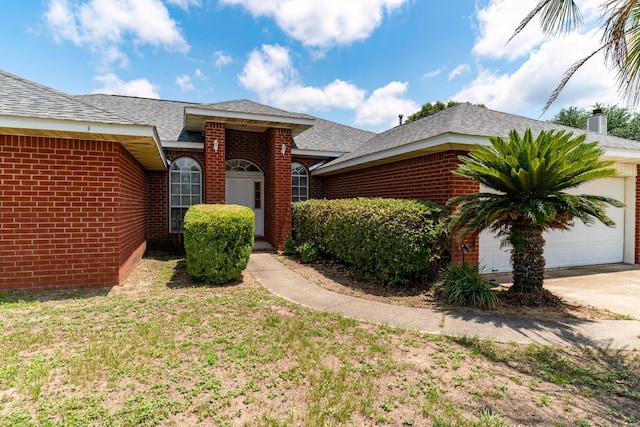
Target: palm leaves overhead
x: 529, y: 176
x: 620, y: 39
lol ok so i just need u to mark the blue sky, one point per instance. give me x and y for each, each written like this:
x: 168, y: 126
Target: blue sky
x: 357, y: 62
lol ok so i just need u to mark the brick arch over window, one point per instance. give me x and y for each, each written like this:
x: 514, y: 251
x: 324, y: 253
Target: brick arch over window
x: 185, y: 189
x: 299, y: 182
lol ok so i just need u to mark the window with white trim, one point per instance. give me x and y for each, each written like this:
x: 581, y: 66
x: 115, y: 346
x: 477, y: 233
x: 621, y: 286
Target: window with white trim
x: 185, y: 189
x: 299, y: 182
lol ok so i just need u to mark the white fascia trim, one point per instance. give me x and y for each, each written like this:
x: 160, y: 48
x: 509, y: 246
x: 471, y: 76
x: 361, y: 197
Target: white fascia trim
x: 316, y: 153
x: 622, y: 153
x: 135, y: 130
x: 79, y: 126
x: 424, y: 144
x: 178, y: 144
x: 247, y: 116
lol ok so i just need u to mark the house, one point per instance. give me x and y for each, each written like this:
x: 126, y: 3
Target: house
x: 89, y: 183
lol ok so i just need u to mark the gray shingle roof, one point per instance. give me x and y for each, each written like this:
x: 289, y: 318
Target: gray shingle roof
x: 251, y: 107
x: 166, y: 116
x: 466, y: 119
x: 330, y: 136
x: 24, y: 98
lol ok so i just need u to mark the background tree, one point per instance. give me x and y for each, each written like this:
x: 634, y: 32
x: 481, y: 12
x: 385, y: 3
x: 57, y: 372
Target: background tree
x: 429, y: 108
x: 620, y: 120
x: 572, y: 116
x: 620, y: 20
x: 529, y: 175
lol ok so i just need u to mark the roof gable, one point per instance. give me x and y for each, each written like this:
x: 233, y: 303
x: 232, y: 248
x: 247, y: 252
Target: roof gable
x: 455, y: 127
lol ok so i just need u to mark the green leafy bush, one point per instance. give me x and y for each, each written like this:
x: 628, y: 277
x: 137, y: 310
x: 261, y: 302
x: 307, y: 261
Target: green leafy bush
x: 463, y: 284
x: 391, y: 240
x: 218, y: 240
x: 308, y: 252
x: 289, y: 246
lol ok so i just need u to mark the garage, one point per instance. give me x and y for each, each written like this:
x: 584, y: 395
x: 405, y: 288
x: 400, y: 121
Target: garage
x: 581, y: 245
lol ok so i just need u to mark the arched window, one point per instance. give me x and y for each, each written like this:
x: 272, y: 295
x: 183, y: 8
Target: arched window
x: 239, y: 165
x: 299, y: 182
x: 185, y: 189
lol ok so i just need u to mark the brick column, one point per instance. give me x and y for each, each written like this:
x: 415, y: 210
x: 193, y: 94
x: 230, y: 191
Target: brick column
x: 278, y: 187
x: 214, y: 170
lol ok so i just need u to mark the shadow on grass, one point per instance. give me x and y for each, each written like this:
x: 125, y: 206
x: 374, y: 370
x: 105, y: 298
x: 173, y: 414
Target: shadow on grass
x: 47, y: 295
x: 180, y: 279
x: 611, y: 375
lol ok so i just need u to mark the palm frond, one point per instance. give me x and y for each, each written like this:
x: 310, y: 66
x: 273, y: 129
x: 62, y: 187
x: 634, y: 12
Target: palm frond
x: 566, y: 77
x: 556, y: 17
x: 530, y: 175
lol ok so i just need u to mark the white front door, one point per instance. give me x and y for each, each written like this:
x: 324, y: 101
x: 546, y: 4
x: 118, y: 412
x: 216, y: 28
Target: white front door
x: 247, y: 191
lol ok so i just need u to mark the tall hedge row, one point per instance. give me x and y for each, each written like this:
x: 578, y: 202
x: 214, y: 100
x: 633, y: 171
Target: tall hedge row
x: 391, y: 240
x: 218, y: 240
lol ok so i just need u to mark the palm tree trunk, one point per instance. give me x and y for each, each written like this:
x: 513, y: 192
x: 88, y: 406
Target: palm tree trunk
x: 527, y: 260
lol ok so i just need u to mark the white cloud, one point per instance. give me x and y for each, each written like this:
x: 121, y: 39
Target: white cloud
x: 460, y: 69
x: 384, y: 105
x: 185, y: 4
x: 185, y: 81
x: 221, y: 59
x: 433, y: 73
x: 322, y: 23
x: 113, y: 85
x: 497, y: 22
x: 105, y: 25
x: 270, y: 73
x: 267, y: 70
x: 533, y: 82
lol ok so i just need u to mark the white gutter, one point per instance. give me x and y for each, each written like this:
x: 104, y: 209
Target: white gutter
x: 316, y: 153
x: 188, y: 145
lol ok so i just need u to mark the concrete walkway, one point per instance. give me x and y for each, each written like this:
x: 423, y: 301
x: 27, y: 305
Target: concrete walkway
x: 613, y: 334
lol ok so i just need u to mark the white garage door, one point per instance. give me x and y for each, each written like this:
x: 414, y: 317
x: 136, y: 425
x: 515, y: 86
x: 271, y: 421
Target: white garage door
x: 581, y: 245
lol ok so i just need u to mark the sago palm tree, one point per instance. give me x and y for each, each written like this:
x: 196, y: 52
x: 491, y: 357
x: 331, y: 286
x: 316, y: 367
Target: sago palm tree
x: 620, y: 39
x: 529, y: 176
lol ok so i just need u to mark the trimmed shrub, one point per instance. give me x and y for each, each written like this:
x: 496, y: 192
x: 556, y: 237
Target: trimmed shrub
x: 463, y: 284
x: 218, y: 240
x: 390, y: 240
x: 289, y: 246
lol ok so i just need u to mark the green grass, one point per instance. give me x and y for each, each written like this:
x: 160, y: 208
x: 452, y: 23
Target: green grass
x: 167, y: 352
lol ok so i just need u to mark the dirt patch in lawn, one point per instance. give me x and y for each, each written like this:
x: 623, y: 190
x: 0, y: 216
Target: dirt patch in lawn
x: 336, y: 277
x: 163, y: 350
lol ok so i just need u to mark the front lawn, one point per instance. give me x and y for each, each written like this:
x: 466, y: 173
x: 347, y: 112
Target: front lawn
x: 163, y: 351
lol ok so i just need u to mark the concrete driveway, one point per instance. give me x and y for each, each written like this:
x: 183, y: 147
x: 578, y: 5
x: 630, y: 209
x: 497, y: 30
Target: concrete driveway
x: 615, y: 287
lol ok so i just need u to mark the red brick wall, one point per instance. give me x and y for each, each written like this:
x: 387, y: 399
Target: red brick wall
x: 214, y: 178
x: 277, y: 215
x: 59, y: 213
x: 247, y: 146
x: 426, y: 177
x: 131, y: 212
